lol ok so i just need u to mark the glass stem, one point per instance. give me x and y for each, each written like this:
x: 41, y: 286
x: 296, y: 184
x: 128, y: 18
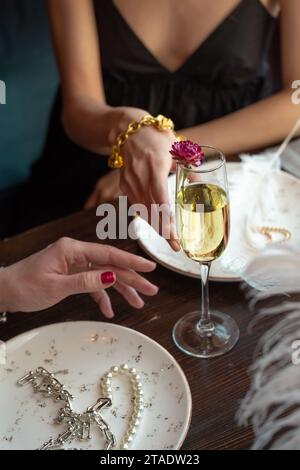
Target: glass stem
x: 205, y: 325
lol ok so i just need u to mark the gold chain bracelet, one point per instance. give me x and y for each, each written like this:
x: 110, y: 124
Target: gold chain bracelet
x: 160, y: 122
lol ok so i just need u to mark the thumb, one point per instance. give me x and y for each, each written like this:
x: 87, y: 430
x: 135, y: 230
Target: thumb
x: 160, y: 196
x: 88, y: 282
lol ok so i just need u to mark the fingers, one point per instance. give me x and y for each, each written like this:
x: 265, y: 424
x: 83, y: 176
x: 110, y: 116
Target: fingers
x: 100, y: 255
x: 103, y: 301
x: 129, y: 186
x: 87, y: 282
x: 129, y: 294
x: 123, y: 259
x: 173, y: 241
x: 95, y: 283
x: 138, y: 282
x: 133, y: 279
x: 160, y: 195
x: 138, y: 183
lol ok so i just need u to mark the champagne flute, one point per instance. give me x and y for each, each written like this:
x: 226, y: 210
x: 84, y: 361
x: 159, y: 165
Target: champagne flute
x: 202, y: 220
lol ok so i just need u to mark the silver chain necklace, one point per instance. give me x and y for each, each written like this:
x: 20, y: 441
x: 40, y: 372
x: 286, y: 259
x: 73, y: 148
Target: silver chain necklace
x: 79, y: 425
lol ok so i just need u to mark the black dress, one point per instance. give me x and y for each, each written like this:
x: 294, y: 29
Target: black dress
x: 229, y: 71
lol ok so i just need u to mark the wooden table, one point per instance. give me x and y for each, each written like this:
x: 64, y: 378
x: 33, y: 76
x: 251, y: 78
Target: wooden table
x: 217, y: 385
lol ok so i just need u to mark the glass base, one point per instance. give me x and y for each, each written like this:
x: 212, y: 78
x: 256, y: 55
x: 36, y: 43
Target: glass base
x: 219, y: 340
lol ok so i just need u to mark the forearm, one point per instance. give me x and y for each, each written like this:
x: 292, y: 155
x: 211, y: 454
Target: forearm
x: 95, y: 126
x: 257, y: 126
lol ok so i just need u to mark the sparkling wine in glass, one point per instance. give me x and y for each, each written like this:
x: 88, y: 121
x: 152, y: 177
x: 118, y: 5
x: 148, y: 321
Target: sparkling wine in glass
x: 203, y: 223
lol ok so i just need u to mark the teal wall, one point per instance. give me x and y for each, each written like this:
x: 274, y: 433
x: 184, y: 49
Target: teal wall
x: 27, y: 66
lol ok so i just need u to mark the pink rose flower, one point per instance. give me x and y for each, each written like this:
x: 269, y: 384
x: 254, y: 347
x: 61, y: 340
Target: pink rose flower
x: 187, y: 153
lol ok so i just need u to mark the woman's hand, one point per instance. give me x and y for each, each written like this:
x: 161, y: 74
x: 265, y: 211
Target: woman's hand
x: 70, y: 267
x: 107, y: 189
x: 148, y: 162
x: 144, y: 179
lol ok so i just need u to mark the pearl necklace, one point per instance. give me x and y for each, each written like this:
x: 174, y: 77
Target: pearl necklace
x: 138, y: 399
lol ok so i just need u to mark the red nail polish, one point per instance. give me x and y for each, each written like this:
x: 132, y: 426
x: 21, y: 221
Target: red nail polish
x: 108, y: 277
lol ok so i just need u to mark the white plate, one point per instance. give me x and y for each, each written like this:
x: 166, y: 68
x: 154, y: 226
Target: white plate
x: 158, y: 249
x: 84, y: 351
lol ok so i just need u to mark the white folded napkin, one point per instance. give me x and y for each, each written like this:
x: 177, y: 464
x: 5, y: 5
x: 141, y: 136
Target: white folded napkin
x: 255, y: 197
x: 252, y: 199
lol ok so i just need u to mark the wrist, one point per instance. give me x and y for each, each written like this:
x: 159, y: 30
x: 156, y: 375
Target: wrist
x: 120, y: 118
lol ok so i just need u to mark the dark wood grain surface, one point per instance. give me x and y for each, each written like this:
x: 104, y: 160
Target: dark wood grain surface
x: 217, y: 385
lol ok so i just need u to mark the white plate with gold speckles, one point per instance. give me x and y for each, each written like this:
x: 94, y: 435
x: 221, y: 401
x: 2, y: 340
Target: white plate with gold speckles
x: 80, y: 353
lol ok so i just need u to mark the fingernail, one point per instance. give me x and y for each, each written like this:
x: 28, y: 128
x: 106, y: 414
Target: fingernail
x: 108, y: 277
x: 175, y: 245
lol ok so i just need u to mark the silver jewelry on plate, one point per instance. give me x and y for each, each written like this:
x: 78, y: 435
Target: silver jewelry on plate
x: 79, y: 425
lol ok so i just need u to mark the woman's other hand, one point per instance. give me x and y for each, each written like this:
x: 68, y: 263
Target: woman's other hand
x: 69, y: 267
